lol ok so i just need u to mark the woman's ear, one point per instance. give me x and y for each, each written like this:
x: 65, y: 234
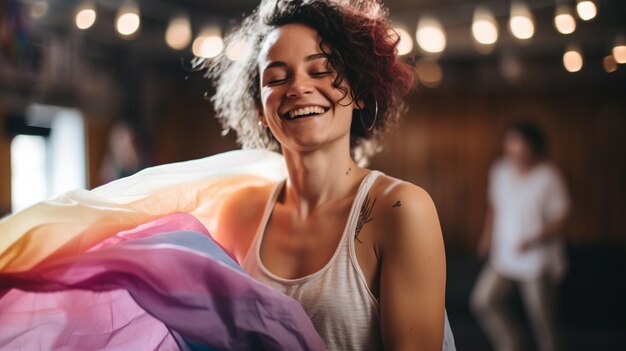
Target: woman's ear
x: 359, y: 104
x: 262, y: 118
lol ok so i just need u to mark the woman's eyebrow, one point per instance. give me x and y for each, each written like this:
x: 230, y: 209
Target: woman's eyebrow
x: 308, y: 58
x: 316, y: 56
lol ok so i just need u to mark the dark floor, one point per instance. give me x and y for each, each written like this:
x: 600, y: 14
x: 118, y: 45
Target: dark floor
x: 591, y: 302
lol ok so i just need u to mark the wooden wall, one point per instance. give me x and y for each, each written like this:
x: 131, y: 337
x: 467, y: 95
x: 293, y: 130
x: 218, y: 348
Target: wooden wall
x: 448, y: 141
x: 445, y: 144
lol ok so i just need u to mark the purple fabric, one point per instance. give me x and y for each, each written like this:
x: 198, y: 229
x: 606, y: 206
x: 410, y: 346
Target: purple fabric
x: 173, y: 275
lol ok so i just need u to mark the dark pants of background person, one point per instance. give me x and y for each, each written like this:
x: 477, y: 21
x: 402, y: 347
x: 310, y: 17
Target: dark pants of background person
x: 490, y: 302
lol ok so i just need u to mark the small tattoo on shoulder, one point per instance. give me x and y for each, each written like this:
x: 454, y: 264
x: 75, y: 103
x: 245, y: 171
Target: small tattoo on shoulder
x: 349, y: 170
x: 397, y: 204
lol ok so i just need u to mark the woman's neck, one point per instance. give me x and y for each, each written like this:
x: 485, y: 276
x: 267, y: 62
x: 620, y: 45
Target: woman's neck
x: 320, y: 176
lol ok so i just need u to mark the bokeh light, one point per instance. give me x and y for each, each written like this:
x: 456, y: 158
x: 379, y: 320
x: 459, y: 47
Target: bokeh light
x: 127, y: 21
x: 430, y: 35
x: 521, y: 22
x: 484, y: 27
x: 573, y: 60
x: 564, y: 20
x: 178, y: 32
x: 209, y: 43
x: 85, y: 15
x: 586, y: 9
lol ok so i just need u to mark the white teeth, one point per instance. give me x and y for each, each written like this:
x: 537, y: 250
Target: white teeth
x: 305, y: 111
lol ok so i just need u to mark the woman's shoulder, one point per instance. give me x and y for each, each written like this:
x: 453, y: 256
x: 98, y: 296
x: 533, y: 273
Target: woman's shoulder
x: 404, y: 213
x: 401, y: 200
x: 240, y: 211
x: 388, y: 187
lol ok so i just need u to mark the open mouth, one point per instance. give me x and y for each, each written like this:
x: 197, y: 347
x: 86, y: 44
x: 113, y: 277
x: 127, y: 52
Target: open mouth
x: 304, y: 112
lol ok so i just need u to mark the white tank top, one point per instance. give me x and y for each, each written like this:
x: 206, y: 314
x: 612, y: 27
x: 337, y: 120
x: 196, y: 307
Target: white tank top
x: 337, y: 299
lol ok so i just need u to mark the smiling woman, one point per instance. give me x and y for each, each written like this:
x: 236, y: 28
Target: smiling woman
x: 250, y: 249
x: 361, y: 251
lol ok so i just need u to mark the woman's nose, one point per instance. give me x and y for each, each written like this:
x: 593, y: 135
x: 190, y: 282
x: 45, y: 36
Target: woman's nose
x: 300, y: 85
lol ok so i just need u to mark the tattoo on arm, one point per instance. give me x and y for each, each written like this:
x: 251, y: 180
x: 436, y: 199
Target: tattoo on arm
x: 364, y: 215
x: 397, y: 204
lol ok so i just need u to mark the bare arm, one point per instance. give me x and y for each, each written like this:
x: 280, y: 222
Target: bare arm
x: 412, y: 294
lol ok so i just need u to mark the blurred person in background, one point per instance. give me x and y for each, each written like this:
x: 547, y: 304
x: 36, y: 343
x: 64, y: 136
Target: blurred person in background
x: 122, y: 158
x: 528, y: 206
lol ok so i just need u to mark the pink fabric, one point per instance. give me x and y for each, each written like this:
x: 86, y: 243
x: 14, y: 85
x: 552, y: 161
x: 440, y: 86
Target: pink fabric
x: 125, y: 292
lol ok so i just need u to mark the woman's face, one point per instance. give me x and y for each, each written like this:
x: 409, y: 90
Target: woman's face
x: 517, y: 149
x: 300, y: 105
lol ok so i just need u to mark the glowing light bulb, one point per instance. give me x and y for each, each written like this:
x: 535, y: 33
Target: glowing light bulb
x: 178, y: 32
x: 405, y: 45
x: 85, y: 15
x: 127, y: 20
x: 236, y: 49
x: 619, y: 50
x: 587, y: 9
x: 609, y: 64
x: 564, y: 20
x: 573, y: 60
x: 484, y: 27
x: 521, y: 22
x: 430, y: 35
x: 208, y: 44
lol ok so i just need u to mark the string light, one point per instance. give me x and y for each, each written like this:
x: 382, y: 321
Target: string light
x: 587, y: 9
x: 209, y: 43
x: 178, y: 32
x: 127, y: 20
x: 430, y: 35
x: 609, y: 63
x: 236, y: 49
x: 521, y: 22
x: 619, y: 50
x: 85, y: 15
x: 405, y: 45
x: 484, y: 27
x: 573, y: 59
x: 564, y: 20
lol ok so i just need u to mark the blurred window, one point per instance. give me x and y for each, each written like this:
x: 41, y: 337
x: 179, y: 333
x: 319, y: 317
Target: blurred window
x: 43, y: 167
x: 28, y: 170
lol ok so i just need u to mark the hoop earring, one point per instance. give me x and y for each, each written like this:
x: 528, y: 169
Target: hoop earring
x: 264, y: 134
x: 375, y: 116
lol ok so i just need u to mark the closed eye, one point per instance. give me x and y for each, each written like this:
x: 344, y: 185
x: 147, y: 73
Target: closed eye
x: 275, y: 81
x: 320, y: 74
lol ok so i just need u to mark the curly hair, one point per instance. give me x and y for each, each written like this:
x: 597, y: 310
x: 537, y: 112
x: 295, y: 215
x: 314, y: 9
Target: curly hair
x: 363, y: 52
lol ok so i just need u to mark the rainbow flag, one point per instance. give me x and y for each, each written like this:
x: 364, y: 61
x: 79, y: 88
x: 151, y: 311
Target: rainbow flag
x: 132, y: 265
